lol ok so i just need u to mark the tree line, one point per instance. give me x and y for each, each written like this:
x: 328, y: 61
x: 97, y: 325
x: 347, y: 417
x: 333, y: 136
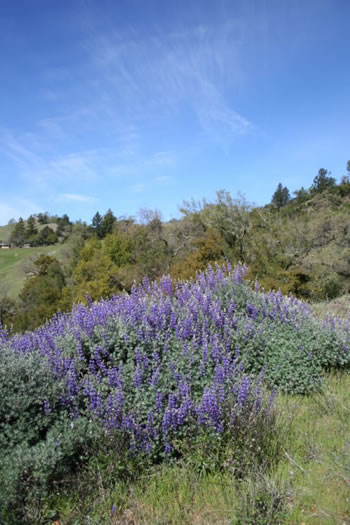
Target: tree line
x: 322, y: 182
x: 40, y: 230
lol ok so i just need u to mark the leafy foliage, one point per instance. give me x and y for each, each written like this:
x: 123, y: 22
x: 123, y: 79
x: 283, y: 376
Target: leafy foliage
x: 322, y: 182
x: 18, y: 235
x: 41, y: 294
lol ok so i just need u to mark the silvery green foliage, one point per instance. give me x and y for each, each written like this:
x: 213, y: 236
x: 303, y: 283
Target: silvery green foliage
x: 27, y: 385
x: 36, y: 469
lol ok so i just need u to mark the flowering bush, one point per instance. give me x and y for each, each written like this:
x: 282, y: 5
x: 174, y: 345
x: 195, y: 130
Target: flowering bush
x: 173, y: 359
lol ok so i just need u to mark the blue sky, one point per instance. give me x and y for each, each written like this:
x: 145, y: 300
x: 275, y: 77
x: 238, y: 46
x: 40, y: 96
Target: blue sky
x: 142, y: 104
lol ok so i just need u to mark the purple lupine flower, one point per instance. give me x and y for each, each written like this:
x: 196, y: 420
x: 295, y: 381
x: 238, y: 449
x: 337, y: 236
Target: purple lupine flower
x: 209, y: 410
x: 159, y: 400
x: 184, y: 389
x: 47, y: 408
x: 155, y: 376
x: 244, y: 391
x: 219, y: 375
x: 168, y: 449
x: 166, y: 285
x: 138, y: 377
x: 215, y: 353
x: 153, y: 316
x: 253, y: 311
x: 183, y: 411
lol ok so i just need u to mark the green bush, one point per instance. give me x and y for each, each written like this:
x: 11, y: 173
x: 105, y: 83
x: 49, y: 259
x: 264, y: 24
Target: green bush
x: 32, y: 473
x: 26, y: 383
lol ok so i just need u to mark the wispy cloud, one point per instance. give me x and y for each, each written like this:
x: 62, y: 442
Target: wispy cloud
x: 52, y: 127
x: 220, y: 122
x: 77, y: 197
x: 137, y: 188
x: 163, y: 179
x: 75, y: 165
x: 42, y: 166
x: 164, y: 73
x: 161, y: 159
x: 141, y: 96
x: 22, y: 156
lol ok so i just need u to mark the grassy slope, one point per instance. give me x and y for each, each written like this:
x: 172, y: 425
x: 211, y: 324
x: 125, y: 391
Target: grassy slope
x: 5, y: 232
x: 13, y: 261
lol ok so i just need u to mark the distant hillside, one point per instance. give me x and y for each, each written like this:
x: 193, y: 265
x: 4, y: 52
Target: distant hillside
x: 14, y: 262
x: 5, y: 232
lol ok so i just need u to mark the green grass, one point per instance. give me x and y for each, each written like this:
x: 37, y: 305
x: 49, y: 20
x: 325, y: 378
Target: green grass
x: 319, y: 456
x: 13, y: 265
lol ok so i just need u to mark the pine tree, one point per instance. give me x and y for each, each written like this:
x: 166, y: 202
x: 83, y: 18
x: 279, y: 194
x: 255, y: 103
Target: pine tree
x: 285, y: 196
x: 43, y: 218
x: 97, y: 224
x: 19, y: 235
x: 281, y: 196
x: 322, y: 181
x: 46, y: 237
x: 31, y: 226
x: 108, y: 222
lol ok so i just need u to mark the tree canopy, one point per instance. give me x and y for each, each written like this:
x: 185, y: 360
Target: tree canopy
x: 281, y: 196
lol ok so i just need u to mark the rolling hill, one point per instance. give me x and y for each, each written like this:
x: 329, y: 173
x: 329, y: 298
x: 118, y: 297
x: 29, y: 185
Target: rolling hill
x: 13, y: 265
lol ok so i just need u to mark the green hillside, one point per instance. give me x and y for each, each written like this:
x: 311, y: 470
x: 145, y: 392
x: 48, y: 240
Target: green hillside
x: 5, y: 232
x: 13, y: 264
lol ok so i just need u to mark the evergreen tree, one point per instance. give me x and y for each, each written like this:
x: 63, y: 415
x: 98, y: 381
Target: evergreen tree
x: 31, y: 226
x: 281, y: 196
x: 64, y: 220
x: 43, y: 218
x: 323, y: 181
x: 46, y: 237
x: 97, y: 224
x: 63, y: 224
x: 19, y: 235
x: 108, y: 222
x: 118, y: 248
x: 301, y: 195
x: 285, y: 196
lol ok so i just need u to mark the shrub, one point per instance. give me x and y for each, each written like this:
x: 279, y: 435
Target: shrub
x: 171, y: 367
x: 27, y: 385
